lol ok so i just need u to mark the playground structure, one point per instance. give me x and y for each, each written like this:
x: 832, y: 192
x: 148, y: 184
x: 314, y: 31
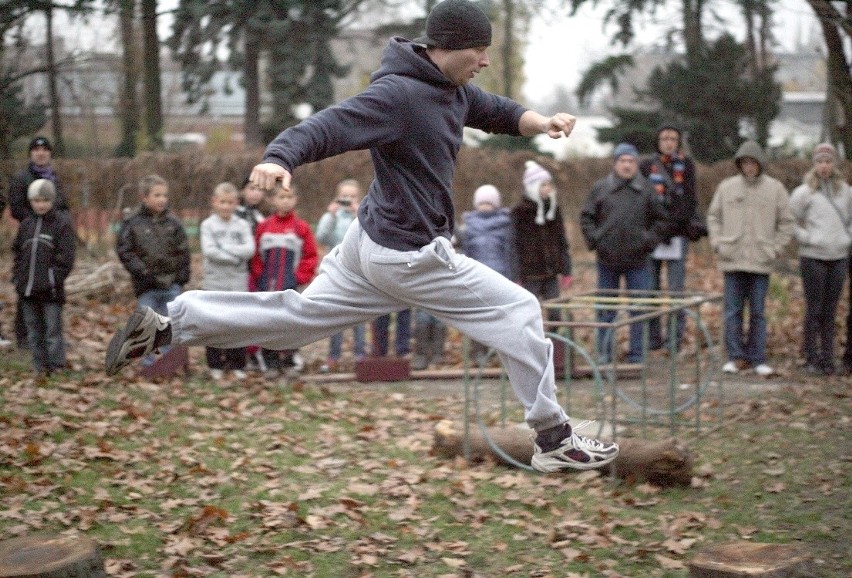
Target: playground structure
x: 665, y: 390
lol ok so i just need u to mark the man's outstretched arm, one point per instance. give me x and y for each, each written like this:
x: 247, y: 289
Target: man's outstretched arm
x: 533, y: 123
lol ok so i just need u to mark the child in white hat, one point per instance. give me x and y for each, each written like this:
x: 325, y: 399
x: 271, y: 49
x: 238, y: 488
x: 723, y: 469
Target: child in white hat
x: 544, y: 263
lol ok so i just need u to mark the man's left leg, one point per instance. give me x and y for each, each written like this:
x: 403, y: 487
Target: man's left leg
x: 489, y: 308
x: 676, y: 271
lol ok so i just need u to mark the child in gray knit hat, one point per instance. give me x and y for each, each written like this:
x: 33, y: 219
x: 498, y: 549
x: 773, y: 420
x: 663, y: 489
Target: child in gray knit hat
x: 43, y: 257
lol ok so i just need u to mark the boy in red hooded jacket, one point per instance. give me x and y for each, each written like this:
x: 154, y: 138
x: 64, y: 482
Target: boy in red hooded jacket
x: 286, y: 258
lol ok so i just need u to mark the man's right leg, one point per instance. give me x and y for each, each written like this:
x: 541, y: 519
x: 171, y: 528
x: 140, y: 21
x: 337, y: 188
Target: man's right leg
x: 655, y: 334
x: 337, y: 298
x: 31, y: 314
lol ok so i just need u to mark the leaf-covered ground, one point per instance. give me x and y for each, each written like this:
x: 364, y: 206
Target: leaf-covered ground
x: 188, y: 477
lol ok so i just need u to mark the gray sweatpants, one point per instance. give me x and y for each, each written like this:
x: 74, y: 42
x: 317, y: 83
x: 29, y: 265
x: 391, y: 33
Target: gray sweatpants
x: 360, y: 280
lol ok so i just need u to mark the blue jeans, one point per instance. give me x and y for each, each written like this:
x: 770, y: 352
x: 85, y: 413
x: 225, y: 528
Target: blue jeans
x: 157, y: 299
x: 381, y: 328
x: 822, y: 282
x: 742, y: 287
x: 44, y: 333
x: 638, y: 278
x: 675, y: 281
x: 335, y: 343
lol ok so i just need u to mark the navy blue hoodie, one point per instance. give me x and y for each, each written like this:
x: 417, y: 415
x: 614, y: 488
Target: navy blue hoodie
x: 411, y: 118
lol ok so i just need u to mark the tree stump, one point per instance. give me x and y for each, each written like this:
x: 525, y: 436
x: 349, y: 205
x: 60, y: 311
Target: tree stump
x: 750, y: 559
x: 663, y: 463
x: 51, y: 556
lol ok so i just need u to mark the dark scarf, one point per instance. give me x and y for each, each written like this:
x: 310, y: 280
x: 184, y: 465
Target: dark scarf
x: 675, y: 165
x: 43, y: 172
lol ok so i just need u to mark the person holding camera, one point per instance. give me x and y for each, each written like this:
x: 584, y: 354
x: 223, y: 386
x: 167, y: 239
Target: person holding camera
x: 331, y: 228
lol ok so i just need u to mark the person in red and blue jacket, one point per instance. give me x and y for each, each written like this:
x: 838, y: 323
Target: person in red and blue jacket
x: 286, y: 258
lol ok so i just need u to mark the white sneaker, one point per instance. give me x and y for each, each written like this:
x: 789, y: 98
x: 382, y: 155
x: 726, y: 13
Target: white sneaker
x: 240, y: 374
x: 4, y: 343
x: 764, y: 370
x: 217, y: 374
x: 298, y: 362
x: 144, y: 332
x: 574, y: 452
x: 730, y: 367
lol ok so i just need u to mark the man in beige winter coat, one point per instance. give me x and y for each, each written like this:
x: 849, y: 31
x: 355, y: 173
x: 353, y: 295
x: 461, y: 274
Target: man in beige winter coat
x: 749, y: 221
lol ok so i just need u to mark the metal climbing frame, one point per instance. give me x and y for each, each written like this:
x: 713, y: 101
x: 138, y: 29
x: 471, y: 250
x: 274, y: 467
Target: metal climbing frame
x: 662, y: 388
x: 657, y: 392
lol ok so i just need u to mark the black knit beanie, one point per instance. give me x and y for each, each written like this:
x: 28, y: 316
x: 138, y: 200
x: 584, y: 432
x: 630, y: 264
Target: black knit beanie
x: 456, y: 25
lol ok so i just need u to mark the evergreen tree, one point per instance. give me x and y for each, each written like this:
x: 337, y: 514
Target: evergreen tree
x: 294, y: 34
x: 711, y: 91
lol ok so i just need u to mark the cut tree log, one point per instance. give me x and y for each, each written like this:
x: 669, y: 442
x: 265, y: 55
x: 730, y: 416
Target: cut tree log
x: 741, y: 559
x: 664, y: 463
x: 51, y: 556
x: 102, y: 280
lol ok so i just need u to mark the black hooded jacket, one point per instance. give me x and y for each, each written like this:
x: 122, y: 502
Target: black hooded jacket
x: 411, y: 117
x: 154, y: 250
x: 44, y: 256
x: 19, y: 204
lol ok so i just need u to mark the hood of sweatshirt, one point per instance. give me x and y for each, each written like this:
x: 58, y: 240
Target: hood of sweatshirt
x: 405, y: 58
x: 751, y: 149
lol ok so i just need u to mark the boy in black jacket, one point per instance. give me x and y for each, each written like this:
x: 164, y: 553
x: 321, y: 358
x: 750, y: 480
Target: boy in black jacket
x: 44, y: 256
x: 672, y: 174
x: 153, y: 247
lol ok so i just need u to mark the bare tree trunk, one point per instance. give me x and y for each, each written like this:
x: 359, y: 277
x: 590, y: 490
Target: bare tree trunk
x: 151, y: 77
x: 839, y: 93
x: 129, y: 112
x: 51, y: 556
x: 251, y: 76
x: 508, y: 47
x: 751, y: 45
x: 765, y: 37
x: 693, y: 38
x: 55, y: 103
